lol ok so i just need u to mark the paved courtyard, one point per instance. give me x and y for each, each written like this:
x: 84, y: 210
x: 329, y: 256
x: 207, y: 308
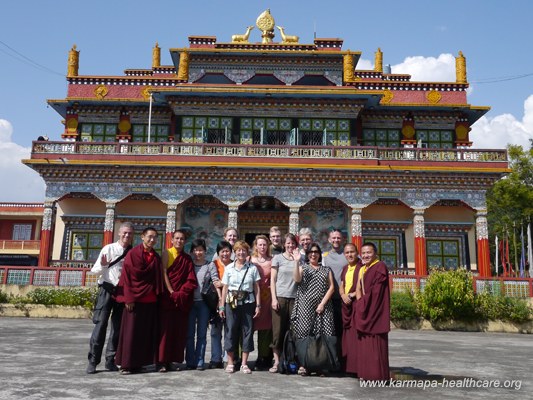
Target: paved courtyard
x: 46, y: 358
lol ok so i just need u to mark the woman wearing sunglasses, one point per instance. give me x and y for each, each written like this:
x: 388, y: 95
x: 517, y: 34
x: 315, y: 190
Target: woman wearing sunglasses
x: 313, y: 310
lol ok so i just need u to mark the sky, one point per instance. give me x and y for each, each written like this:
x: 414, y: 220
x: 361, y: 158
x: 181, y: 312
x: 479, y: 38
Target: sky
x: 418, y: 37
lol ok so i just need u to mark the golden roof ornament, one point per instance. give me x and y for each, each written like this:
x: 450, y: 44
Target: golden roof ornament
x: 156, y: 56
x: 265, y: 22
x: 242, y: 38
x: 287, y: 39
x: 73, y: 62
x: 378, y: 61
x: 460, y: 68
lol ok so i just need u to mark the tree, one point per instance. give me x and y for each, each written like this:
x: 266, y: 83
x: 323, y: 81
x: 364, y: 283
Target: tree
x: 510, y: 200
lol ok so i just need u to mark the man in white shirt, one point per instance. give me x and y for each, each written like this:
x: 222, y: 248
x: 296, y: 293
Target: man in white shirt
x: 108, y: 267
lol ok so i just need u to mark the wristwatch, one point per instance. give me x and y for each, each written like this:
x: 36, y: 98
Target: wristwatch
x: 258, y: 305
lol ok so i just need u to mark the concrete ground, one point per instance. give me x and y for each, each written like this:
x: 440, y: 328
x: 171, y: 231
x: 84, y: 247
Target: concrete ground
x: 46, y: 358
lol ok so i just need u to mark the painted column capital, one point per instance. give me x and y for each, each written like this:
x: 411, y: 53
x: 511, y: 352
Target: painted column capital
x: 294, y: 220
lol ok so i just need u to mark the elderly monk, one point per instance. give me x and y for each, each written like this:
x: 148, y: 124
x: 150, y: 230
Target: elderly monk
x: 139, y: 286
x: 175, y: 302
x: 372, y: 316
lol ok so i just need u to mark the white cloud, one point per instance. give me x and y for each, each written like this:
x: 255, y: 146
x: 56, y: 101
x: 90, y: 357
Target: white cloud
x: 20, y: 183
x: 497, y: 132
x: 423, y: 69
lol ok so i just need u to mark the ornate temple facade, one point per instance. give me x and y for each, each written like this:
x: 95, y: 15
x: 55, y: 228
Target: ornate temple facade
x: 262, y: 130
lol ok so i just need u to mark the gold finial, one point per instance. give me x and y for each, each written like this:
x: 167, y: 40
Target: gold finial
x: 156, y: 56
x: 378, y: 67
x: 460, y: 68
x: 287, y: 39
x: 242, y: 38
x: 183, y: 69
x: 265, y: 22
x: 348, y: 67
x: 73, y: 62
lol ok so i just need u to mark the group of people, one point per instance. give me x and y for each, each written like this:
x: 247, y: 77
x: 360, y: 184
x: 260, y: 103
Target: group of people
x: 159, y: 313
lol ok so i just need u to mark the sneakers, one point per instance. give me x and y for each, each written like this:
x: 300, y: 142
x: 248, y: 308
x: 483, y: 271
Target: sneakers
x: 216, y: 365
x: 111, y: 366
x: 91, y: 368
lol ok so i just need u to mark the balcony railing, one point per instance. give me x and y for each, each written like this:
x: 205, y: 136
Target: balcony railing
x: 20, y: 244
x: 61, y: 276
x: 293, y: 152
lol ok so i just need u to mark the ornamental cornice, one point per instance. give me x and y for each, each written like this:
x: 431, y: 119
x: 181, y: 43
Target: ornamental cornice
x: 263, y: 178
x: 293, y: 197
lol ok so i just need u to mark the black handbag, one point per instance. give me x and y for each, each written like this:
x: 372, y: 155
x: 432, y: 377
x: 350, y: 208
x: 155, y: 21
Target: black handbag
x: 318, y: 352
x: 209, y: 293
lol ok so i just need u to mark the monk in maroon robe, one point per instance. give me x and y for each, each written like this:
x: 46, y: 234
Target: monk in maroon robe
x: 347, y: 292
x: 175, y: 302
x: 372, y: 316
x: 139, y: 286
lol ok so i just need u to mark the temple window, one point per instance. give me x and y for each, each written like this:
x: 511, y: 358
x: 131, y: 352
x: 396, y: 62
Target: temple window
x: 387, y: 249
x: 22, y: 232
x: 443, y: 253
x: 159, y: 133
x: 206, y: 129
x: 324, y: 132
x: 435, y: 139
x: 381, y: 137
x: 85, y: 245
x: 98, y: 132
x: 271, y: 131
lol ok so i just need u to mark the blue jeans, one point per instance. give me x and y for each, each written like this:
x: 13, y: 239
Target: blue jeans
x: 198, y: 322
x: 216, y: 340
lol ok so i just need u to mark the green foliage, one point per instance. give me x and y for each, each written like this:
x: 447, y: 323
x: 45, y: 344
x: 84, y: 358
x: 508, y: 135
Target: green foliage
x: 403, y: 307
x: 4, y: 298
x: 448, y: 295
x: 502, y: 308
x: 510, y: 200
x: 61, y: 296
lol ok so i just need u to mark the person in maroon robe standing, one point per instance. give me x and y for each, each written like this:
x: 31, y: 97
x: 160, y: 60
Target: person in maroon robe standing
x: 175, y: 302
x: 139, y: 285
x: 347, y: 293
x: 372, y: 316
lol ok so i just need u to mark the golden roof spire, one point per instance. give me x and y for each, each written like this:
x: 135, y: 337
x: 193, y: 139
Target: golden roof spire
x: 73, y: 62
x: 378, y: 62
x: 156, y: 56
x: 460, y: 68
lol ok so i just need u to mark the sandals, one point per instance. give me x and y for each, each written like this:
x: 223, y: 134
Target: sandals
x: 230, y: 368
x: 274, y: 369
x: 245, y: 369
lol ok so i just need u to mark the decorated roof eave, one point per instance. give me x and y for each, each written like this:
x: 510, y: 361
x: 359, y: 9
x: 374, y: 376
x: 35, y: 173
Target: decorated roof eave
x: 175, y: 53
x: 332, y: 92
x: 61, y: 106
x: 473, y: 113
x: 264, y: 51
x: 38, y: 163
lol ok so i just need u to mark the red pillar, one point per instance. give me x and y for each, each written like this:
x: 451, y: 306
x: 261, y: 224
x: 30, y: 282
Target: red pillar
x: 420, y: 256
x: 46, y: 235
x: 421, y: 267
x: 483, y: 252
x: 483, y: 258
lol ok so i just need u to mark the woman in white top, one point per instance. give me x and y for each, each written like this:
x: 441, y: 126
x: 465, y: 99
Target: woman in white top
x: 239, y: 305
